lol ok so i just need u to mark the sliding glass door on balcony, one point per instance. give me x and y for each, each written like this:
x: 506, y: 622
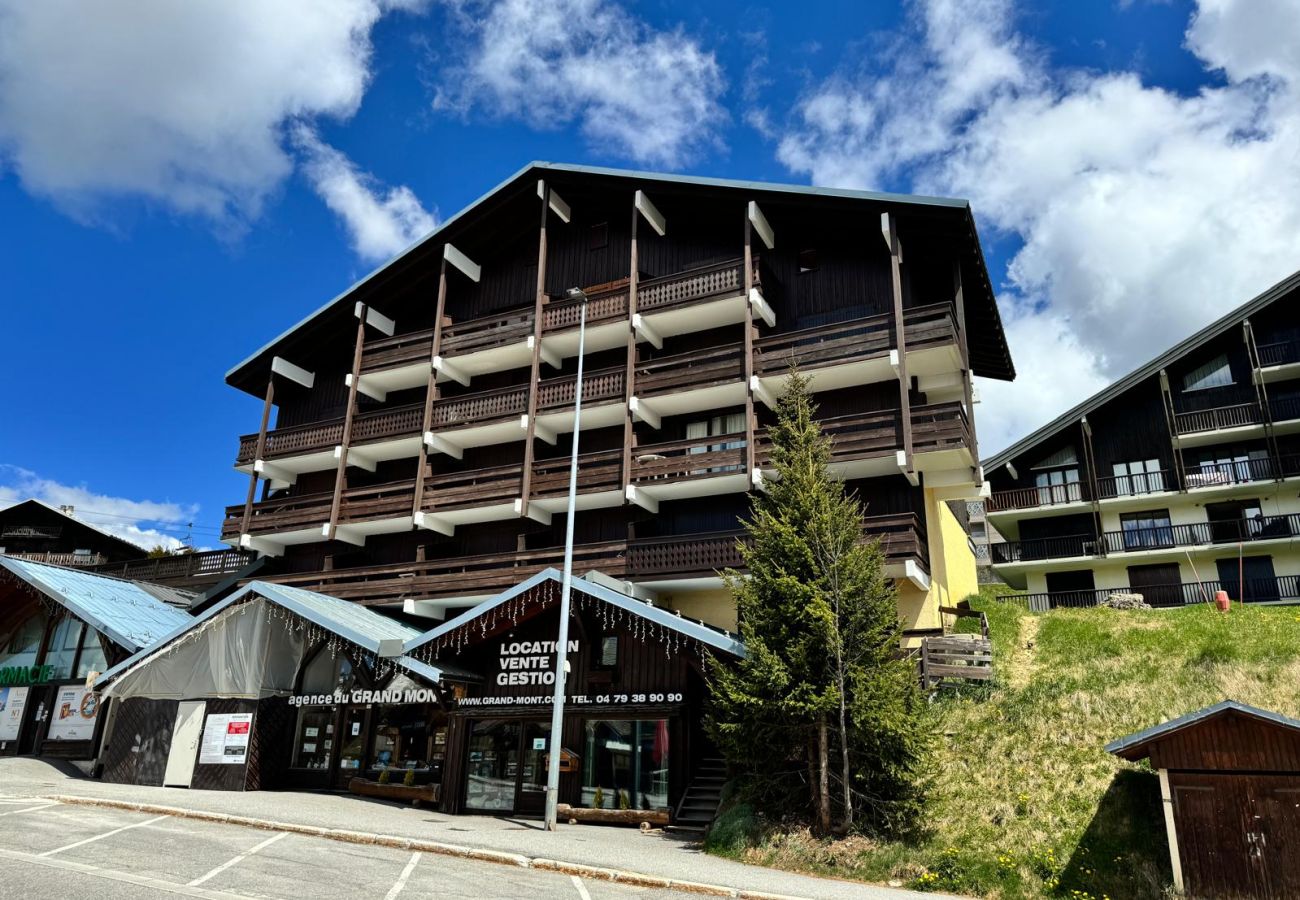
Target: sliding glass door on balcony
x: 1146, y: 530
x: 1058, y: 486
x: 1138, y: 477
x: 1230, y: 467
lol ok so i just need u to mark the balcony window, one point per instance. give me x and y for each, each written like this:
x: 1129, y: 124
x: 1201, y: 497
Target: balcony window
x: 1144, y: 530
x: 1231, y: 467
x: 1058, y: 486
x: 1140, y: 477
x: 1215, y: 373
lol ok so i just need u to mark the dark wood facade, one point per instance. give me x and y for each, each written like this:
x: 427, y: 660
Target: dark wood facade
x: 435, y: 447
x: 1230, y: 776
x: 1204, y: 441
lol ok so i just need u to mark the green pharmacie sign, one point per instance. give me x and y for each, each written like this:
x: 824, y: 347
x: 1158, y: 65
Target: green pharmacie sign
x: 26, y: 674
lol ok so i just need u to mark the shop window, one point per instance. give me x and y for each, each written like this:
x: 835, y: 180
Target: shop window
x: 627, y: 760
x: 493, y: 766
x: 91, y: 656
x: 314, y: 738
x: 406, y: 738
x: 63, y: 647
x: 21, y: 646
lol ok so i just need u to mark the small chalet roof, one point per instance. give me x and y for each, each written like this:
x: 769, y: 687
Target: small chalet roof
x: 705, y: 634
x: 130, y: 614
x: 991, y: 354
x: 1136, y: 746
x: 1141, y: 373
x: 129, y: 549
x: 351, y: 621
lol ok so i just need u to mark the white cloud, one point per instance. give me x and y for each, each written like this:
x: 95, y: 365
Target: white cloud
x: 1143, y: 214
x: 182, y: 104
x: 652, y: 96
x: 137, y: 521
x: 380, y: 222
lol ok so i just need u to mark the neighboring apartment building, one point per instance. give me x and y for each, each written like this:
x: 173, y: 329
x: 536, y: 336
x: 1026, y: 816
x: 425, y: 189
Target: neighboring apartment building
x: 417, y: 459
x: 1181, y: 479
x: 38, y: 532
x: 982, y: 537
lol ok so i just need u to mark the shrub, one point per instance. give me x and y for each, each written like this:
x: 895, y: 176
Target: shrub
x: 383, y: 777
x: 409, y: 780
x: 598, y: 799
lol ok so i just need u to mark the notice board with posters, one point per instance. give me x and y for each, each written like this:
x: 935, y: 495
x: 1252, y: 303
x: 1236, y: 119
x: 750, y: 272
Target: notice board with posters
x: 13, y: 700
x: 225, y: 739
x: 73, y: 716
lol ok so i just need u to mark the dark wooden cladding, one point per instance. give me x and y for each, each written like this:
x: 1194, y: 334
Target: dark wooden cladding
x: 902, y: 537
x: 1229, y: 741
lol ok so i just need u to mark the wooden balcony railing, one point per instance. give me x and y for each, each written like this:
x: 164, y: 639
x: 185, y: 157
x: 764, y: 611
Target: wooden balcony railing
x: 1234, y: 416
x: 278, y: 514
x: 1279, y: 353
x: 702, y: 457
x: 1047, y: 495
x: 689, y: 371
x: 80, y: 560
x: 376, y: 425
x: 197, y: 566
x: 605, y: 384
x: 598, y: 472
x: 1254, y: 590
x: 643, y: 558
x: 475, y: 487
x: 855, y: 340
x: 1136, y: 484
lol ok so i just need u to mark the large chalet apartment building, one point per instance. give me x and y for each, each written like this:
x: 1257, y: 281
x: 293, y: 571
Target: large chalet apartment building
x: 1179, y: 480
x: 414, y: 443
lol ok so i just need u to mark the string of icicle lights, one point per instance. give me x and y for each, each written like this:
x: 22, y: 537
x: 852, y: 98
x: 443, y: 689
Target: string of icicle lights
x: 513, y: 611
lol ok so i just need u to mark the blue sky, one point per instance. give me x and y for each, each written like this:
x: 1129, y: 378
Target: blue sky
x: 179, y: 183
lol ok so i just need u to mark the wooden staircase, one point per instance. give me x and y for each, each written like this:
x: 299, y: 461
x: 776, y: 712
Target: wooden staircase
x: 699, y: 804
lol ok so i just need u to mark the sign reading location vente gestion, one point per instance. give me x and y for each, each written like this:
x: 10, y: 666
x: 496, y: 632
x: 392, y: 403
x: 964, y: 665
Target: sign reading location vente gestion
x: 225, y: 739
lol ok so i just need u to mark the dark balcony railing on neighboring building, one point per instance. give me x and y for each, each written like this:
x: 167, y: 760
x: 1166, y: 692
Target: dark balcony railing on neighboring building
x: 1046, y: 495
x: 1159, y: 537
x: 1045, y: 548
x: 1284, y: 409
x: 1162, y: 596
x: 1242, y: 471
x: 1279, y: 353
x: 902, y: 537
x: 80, y: 560
x: 1110, y: 487
x: 184, y: 567
x: 1235, y: 416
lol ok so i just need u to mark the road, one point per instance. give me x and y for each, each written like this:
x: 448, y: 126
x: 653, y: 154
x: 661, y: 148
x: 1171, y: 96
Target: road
x: 50, y: 849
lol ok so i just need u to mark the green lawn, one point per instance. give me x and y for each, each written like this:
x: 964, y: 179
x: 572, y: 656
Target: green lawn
x: 1024, y: 802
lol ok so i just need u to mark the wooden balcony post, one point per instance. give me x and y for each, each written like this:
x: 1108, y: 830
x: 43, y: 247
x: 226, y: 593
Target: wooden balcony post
x: 431, y: 390
x: 629, y: 375
x: 751, y: 420
x: 539, y: 305
x: 340, y: 475
x: 1171, y: 422
x: 257, y: 454
x: 1090, y: 468
x: 1261, y: 397
x: 889, y: 227
x: 968, y: 378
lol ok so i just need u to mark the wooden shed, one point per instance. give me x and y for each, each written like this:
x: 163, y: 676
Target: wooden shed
x: 1230, y: 782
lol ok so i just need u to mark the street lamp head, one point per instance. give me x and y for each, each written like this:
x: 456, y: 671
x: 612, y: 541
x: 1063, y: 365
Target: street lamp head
x: 576, y: 293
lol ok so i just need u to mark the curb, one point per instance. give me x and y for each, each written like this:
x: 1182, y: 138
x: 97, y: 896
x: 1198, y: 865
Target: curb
x: 500, y: 857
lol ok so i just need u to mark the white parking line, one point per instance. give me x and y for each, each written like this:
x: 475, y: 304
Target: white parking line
x: 14, y: 812
x: 238, y: 859
x: 582, y: 888
x: 156, y: 884
x: 100, y: 837
x: 401, y: 879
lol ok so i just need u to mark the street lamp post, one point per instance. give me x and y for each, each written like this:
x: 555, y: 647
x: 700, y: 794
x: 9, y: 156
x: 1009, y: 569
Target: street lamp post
x: 555, y: 743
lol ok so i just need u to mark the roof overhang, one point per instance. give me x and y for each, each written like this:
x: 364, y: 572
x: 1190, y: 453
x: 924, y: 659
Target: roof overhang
x: 991, y: 355
x: 1137, y: 746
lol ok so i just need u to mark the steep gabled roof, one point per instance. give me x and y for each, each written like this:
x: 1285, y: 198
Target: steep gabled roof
x: 1141, y: 373
x: 124, y: 611
x: 250, y: 374
x: 705, y: 634
x: 1136, y: 746
x: 127, y: 547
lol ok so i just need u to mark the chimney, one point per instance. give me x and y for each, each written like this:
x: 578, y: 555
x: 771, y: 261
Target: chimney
x: 66, y: 510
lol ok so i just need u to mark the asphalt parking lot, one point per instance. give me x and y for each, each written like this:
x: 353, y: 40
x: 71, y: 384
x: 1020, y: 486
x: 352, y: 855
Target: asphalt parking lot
x: 49, y: 849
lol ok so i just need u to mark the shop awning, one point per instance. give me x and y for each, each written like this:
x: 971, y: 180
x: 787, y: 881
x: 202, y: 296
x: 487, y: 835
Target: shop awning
x: 368, y: 630
x: 691, y: 628
x: 128, y: 613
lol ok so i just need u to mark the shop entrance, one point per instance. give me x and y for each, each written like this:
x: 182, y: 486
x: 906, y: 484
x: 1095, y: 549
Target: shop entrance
x: 507, y: 766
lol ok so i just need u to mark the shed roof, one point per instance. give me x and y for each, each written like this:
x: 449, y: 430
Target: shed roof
x: 130, y: 615
x: 705, y: 634
x: 1137, y: 745
x: 991, y: 355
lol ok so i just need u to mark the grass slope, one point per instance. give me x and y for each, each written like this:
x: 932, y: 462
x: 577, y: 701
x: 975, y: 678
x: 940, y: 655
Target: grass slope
x: 1023, y: 801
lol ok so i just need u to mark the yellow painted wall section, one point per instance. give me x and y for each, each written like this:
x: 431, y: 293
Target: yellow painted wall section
x: 714, y: 606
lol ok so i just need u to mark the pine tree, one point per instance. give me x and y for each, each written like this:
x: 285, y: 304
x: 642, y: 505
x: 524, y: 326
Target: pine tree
x: 822, y: 678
